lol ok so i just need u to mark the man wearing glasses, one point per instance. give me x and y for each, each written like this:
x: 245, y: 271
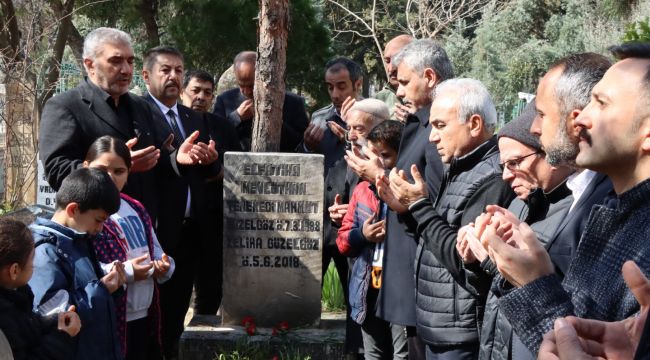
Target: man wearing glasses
x: 463, y: 120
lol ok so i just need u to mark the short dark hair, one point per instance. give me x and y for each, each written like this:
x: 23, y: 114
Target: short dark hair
x: 197, y: 74
x: 109, y: 144
x: 340, y: 63
x: 152, y: 54
x: 91, y: 189
x: 388, y: 132
x: 639, y: 50
x: 16, y: 242
x: 580, y: 73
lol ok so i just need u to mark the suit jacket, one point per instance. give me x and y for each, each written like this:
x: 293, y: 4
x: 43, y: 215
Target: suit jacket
x: 563, y: 244
x: 174, y: 180
x: 396, y: 302
x: 73, y: 120
x: 294, y: 119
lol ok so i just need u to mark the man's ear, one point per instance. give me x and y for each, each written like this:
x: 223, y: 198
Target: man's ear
x: 145, y: 76
x: 570, y: 121
x: 72, y: 209
x: 644, y: 130
x: 13, y: 271
x: 431, y: 77
x: 476, y: 125
x: 358, y: 85
x: 90, y: 65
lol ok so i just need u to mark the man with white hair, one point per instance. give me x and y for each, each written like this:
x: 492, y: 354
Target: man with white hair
x: 102, y: 105
x: 448, y: 311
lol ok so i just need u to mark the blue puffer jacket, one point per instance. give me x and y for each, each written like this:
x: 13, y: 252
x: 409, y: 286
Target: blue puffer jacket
x: 64, y: 261
x: 352, y: 243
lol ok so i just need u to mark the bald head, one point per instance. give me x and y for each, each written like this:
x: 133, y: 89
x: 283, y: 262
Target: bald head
x: 244, y: 66
x: 363, y: 116
x: 376, y: 108
x: 392, y: 47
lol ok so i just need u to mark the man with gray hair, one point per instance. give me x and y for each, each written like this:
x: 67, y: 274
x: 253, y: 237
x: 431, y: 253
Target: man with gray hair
x: 448, y: 311
x: 421, y: 66
x: 102, y: 105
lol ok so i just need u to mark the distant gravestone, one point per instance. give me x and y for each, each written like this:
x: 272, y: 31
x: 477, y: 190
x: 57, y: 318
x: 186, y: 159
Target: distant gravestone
x: 273, y: 232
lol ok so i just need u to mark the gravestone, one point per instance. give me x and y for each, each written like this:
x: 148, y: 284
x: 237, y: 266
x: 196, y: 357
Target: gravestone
x: 273, y: 235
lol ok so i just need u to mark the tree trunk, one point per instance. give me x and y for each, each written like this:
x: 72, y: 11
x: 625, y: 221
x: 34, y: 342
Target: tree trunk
x: 269, y: 74
x: 64, y: 14
x: 148, y: 10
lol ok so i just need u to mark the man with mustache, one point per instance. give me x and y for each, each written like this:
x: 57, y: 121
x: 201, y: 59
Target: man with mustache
x: 102, y: 105
x: 236, y: 105
x: 183, y: 219
x: 614, y: 133
x: 197, y: 94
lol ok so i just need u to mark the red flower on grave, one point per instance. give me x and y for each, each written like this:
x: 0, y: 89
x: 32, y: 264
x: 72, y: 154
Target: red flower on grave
x: 247, y: 321
x: 251, y: 329
x: 284, y: 326
x: 275, y: 358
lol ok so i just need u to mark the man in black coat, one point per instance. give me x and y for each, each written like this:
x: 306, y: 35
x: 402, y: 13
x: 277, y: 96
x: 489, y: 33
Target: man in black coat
x: 101, y: 105
x: 421, y: 66
x: 183, y: 217
x: 198, y: 93
x: 236, y: 105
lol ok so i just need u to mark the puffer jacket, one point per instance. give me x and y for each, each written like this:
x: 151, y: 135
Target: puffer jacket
x: 448, y: 311
x: 543, y: 212
x: 351, y: 242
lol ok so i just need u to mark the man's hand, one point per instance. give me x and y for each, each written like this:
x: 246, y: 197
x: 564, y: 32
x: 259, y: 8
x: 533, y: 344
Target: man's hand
x: 141, y: 267
x: 345, y: 107
x: 205, y: 153
x: 404, y: 191
x: 374, y: 232
x: 143, y: 159
x: 161, y: 266
x: 518, y: 254
x: 368, y: 167
x: 312, y: 136
x: 468, y: 246
x: 386, y: 194
x: 69, y: 322
x: 337, y: 130
x: 190, y: 153
x: 576, y: 338
x: 246, y: 110
x: 338, y: 210
x: 402, y: 111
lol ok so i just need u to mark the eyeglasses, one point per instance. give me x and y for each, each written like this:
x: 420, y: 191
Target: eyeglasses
x: 513, y: 164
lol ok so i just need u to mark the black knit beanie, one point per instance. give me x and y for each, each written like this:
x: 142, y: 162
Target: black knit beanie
x: 519, y: 128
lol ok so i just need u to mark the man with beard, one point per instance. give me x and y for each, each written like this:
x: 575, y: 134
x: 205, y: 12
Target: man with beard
x: 183, y: 220
x: 102, y: 105
x: 613, y: 132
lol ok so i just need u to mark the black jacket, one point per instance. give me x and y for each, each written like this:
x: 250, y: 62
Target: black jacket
x: 73, y: 120
x: 174, y: 180
x: 31, y: 336
x: 396, y: 302
x: 294, y: 119
x: 543, y: 212
x: 448, y: 313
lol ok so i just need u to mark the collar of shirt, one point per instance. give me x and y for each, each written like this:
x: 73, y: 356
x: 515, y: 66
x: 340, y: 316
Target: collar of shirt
x: 101, y: 93
x: 578, y: 183
x: 164, y: 108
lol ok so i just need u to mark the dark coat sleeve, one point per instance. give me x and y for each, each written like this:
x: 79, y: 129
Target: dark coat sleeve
x: 295, y: 122
x: 61, y: 145
x: 222, y: 110
x: 440, y: 238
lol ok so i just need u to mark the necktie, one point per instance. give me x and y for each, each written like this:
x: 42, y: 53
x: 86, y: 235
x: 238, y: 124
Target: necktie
x: 178, y: 135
